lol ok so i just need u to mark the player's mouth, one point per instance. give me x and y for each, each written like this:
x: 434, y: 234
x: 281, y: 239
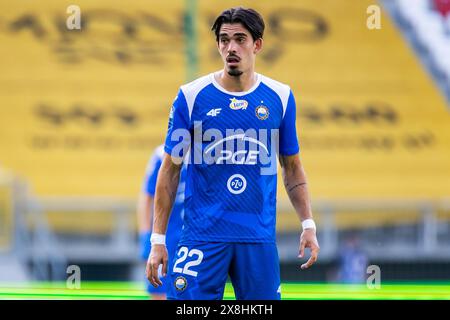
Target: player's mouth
x: 233, y: 60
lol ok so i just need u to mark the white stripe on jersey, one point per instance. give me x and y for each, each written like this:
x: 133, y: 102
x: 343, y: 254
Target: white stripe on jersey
x: 282, y: 90
x: 192, y: 89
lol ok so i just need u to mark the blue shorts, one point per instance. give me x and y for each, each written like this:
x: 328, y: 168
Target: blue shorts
x: 200, y: 270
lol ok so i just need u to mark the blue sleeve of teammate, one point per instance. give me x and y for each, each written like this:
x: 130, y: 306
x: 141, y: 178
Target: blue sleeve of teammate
x: 288, y: 132
x: 178, y: 137
x: 152, y: 175
x: 144, y: 245
x: 149, y: 187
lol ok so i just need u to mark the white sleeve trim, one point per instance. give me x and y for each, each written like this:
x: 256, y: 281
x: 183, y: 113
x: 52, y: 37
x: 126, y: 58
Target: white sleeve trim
x: 281, y: 89
x: 192, y: 89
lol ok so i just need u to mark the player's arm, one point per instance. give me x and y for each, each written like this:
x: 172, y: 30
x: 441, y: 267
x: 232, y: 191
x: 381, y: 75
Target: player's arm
x: 295, y: 181
x: 167, y: 183
x: 296, y: 185
x: 166, y: 190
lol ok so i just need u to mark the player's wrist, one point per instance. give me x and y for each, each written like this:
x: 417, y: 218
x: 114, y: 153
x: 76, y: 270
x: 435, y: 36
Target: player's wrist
x: 157, y: 238
x: 308, y: 224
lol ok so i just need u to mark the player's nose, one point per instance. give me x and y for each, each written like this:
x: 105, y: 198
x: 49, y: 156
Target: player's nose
x: 232, y: 47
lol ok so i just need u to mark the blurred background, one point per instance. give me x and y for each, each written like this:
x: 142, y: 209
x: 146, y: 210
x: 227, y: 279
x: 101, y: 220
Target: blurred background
x: 82, y: 110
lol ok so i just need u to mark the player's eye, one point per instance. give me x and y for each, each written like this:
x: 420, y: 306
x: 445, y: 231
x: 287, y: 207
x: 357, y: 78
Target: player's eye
x: 223, y: 40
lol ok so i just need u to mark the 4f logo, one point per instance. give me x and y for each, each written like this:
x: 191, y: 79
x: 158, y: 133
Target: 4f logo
x: 214, y: 112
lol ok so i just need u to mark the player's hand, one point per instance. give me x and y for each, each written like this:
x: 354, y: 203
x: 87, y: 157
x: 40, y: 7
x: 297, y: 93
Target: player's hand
x: 158, y: 255
x: 308, y: 239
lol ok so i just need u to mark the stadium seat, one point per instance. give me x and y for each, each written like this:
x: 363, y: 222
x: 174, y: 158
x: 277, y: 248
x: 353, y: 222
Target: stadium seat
x: 428, y: 24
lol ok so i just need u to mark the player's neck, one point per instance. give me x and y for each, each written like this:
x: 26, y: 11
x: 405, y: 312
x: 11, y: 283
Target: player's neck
x: 242, y: 83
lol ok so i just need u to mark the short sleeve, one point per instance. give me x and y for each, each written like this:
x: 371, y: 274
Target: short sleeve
x: 288, y: 132
x: 178, y: 135
x: 151, y: 175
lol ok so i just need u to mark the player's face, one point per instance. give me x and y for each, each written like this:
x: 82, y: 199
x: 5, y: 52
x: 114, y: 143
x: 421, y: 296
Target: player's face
x: 237, y: 48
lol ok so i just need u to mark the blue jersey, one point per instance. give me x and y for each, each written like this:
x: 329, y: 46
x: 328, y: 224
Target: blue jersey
x: 149, y: 187
x: 234, y: 139
x: 151, y: 175
x: 353, y: 265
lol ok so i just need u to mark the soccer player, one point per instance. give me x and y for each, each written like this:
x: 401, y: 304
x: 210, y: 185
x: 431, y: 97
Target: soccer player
x: 145, y: 215
x: 234, y: 123
x: 353, y: 261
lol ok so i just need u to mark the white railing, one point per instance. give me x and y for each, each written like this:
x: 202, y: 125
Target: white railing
x: 428, y: 235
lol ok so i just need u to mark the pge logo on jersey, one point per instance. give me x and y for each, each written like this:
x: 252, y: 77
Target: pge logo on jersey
x: 233, y: 147
x: 236, y: 149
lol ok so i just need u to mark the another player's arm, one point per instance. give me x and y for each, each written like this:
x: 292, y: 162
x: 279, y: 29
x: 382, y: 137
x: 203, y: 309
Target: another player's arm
x: 296, y: 185
x: 144, y: 219
x: 166, y: 189
x: 144, y: 212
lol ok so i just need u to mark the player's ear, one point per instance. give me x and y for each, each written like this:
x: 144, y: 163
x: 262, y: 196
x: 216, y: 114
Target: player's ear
x: 258, y: 44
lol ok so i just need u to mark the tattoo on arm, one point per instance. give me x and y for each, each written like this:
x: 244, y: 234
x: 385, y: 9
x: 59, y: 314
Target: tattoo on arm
x: 297, y: 185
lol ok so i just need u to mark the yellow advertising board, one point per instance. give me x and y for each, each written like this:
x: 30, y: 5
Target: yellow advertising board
x: 81, y: 110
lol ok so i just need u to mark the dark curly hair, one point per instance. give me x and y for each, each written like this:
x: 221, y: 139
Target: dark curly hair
x: 249, y: 18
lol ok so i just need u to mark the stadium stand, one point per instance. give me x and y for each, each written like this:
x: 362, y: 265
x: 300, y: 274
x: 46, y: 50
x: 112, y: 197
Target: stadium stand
x: 83, y: 110
x: 427, y: 25
x: 443, y: 6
